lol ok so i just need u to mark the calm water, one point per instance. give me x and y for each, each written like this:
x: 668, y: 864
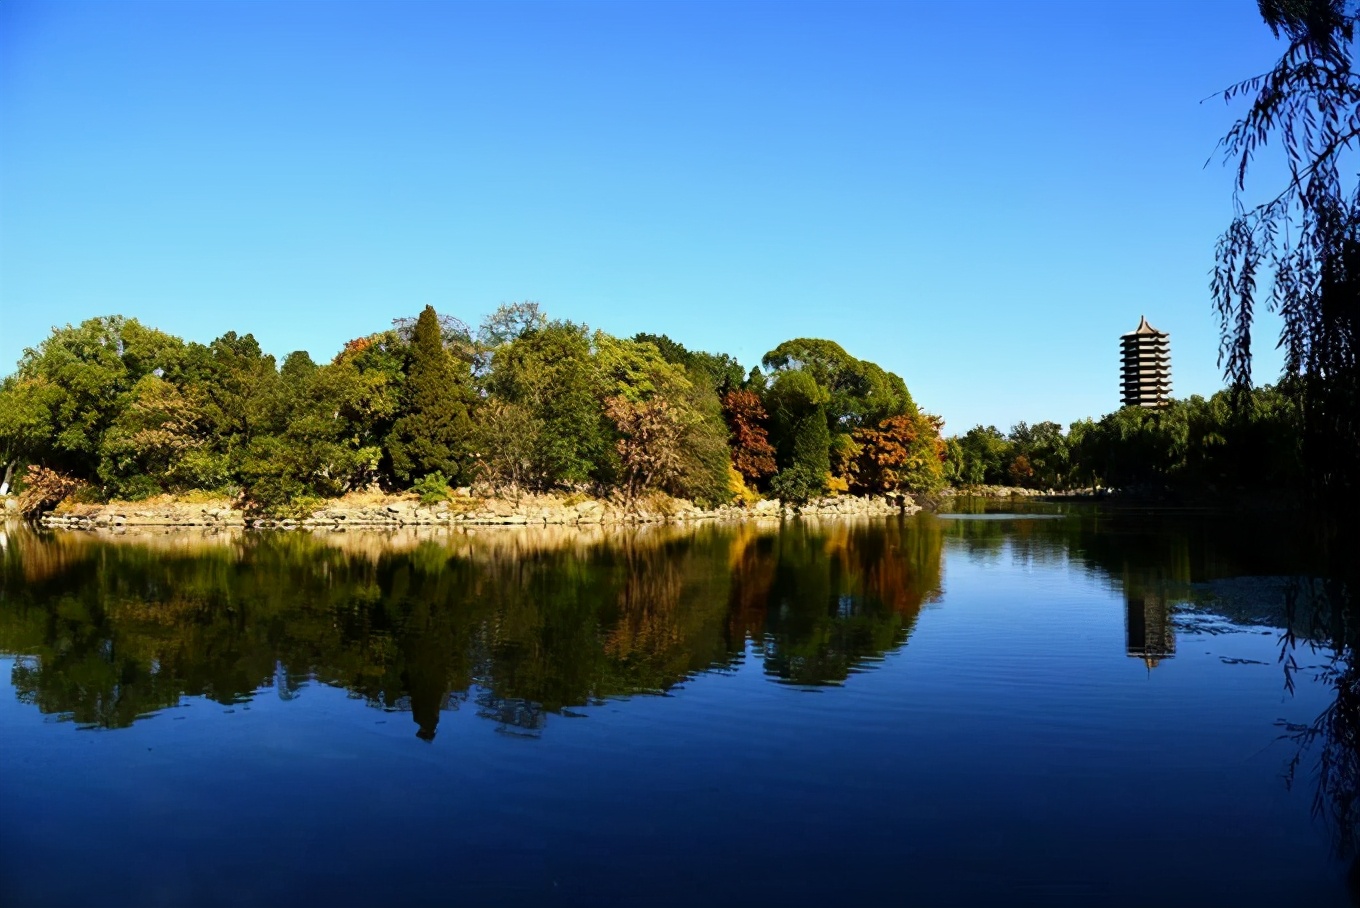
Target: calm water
x: 1057, y: 707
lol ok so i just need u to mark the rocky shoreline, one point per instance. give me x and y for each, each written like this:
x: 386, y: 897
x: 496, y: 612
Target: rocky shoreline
x: 541, y: 511
x: 996, y: 492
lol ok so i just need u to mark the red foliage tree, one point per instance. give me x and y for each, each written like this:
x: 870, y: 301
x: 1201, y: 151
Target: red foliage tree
x: 752, y: 453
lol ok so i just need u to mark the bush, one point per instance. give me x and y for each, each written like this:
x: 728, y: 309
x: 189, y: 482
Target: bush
x: 798, y: 484
x: 136, y: 488
x: 432, y: 488
x: 739, y: 491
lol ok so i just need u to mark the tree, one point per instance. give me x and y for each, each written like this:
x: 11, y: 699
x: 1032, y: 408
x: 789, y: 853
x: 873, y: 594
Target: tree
x: 718, y: 371
x: 1304, y: 243
x: 649, y: 445
x: 433, y: 432
x: 985, y: 454
x: 233, y: 382
x: 1046, y: 459
x: 510, y: 322
x: 87, y: 373
x: 752, y: 453
x: 309, y: 451
x: 508, y: 437
x: 157, y: 443
x: 551, y: 373
x: 637, y: 372
x: 858, y: 392
x: 25, y: 422
x: 902, y: 453
x: 797, y: 405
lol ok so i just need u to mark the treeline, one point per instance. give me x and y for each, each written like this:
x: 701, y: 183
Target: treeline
x: 115, y: 409
x: 1199, y: 446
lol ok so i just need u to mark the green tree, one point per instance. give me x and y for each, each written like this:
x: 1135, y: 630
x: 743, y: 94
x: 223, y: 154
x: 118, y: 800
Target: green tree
x: 232, y: 382
x: 158, y: 443
x: 433, y: 433
x: 985, y: 455
x: 87, y: 374
x: 310, y: 451
x: 858, y: 392
x: 797, y: 405
x: 551, y: 373
x: 26, y: 429
x: 508, y: 442
x: 1045, y: 450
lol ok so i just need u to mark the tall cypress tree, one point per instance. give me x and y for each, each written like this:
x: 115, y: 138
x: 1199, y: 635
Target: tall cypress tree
x: 433, y: 431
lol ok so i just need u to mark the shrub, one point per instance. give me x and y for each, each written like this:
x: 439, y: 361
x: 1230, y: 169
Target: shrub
x: 798, y: 483
x: 432, y: 488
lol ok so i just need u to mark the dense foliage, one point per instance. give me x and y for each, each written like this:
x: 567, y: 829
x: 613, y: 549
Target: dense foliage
x: 1200, y: 447
x: 113, y: 409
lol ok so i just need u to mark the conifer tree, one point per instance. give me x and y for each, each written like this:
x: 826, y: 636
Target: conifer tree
x: 433, y: 432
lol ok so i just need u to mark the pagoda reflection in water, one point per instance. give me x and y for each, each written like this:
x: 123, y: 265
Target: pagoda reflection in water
x: 1148, y: 631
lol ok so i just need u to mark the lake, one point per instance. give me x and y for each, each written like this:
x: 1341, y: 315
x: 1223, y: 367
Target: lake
x: 1064, y: 705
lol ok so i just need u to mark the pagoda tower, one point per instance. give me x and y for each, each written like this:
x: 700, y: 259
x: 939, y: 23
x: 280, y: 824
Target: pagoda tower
x: 1146, y: 366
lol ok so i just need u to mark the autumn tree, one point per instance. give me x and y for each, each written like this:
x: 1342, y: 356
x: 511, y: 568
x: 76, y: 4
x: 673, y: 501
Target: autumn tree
x: 433, y: 432
x: 752, y: 453
x: 902, y: 453
x: 649, y: 445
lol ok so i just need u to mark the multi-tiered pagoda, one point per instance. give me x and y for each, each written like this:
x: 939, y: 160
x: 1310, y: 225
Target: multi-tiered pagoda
x: 1147, y: 366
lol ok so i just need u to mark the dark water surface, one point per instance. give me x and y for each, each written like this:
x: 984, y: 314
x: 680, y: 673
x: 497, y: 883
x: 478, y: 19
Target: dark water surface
x: 967, y: 709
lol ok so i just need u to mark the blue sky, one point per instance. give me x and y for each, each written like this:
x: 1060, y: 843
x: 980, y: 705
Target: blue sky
x: 979, y: 196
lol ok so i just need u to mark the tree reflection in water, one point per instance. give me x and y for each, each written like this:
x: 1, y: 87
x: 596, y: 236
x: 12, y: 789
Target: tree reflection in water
x: 527, y: 623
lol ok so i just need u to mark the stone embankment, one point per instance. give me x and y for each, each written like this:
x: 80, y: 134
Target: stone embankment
x: 117, y: 515
x: 995, y: 492
x: 539, y: 511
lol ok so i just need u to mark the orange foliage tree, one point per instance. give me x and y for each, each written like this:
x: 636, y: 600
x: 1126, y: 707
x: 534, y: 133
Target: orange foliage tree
x: 902, y: 453
x: 752, y: 453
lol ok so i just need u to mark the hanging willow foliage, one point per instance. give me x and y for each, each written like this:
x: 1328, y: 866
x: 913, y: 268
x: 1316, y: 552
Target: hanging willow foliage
x: 1303, y: 243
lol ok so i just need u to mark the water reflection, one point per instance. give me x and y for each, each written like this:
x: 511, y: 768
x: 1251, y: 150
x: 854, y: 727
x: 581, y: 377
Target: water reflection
x: 525, y: 624
x: 1148, y: 630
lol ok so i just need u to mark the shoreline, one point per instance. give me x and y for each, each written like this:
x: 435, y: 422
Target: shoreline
x: 397, y: 512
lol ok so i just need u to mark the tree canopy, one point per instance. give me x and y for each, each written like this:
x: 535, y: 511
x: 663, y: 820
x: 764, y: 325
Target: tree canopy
x: 112, y: 408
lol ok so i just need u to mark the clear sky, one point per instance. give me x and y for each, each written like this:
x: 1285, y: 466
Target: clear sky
x: 979, y: 196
